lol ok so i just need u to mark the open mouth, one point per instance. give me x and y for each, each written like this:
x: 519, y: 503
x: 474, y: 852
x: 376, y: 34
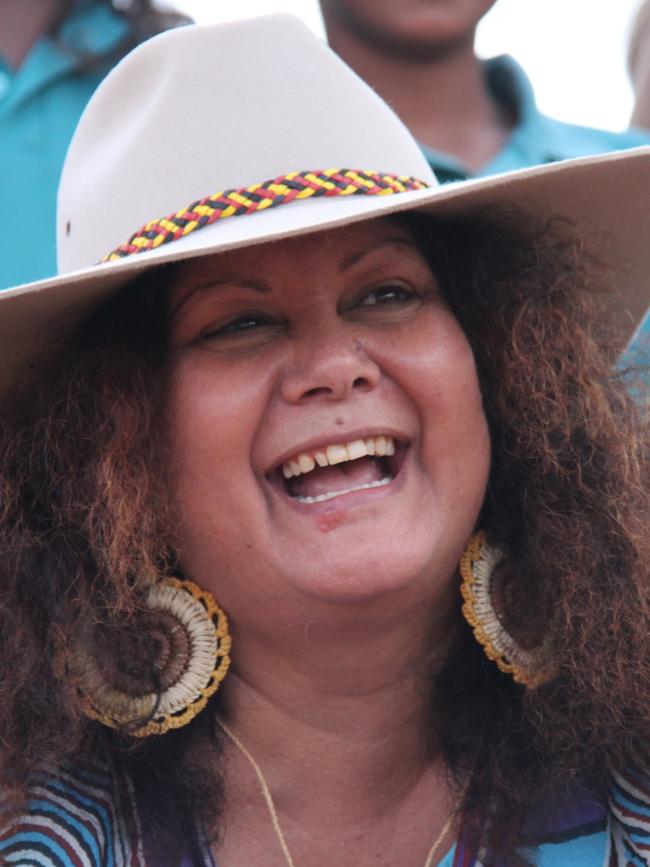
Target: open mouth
x: 341, y: 468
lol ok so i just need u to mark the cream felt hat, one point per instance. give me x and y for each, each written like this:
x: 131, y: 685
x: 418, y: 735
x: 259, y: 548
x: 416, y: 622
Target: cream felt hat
x: 193, y: 124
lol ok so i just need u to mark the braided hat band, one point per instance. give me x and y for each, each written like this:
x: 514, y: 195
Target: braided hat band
x: 259, y: 197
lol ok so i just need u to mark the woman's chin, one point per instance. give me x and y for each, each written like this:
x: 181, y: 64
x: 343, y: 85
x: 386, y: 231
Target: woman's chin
x: 368, y: 573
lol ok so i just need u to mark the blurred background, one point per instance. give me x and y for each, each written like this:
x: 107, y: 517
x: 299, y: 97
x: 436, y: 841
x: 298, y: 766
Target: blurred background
x: 572, y: 50
x: 469, y: 118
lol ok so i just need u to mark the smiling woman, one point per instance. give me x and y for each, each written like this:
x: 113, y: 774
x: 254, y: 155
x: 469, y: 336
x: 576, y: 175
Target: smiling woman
x: 260, y: 468
x: 307, y: 347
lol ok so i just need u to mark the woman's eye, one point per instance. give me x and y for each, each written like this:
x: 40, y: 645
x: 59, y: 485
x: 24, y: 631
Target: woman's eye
x: 240, y: 325
x: 387, y: 295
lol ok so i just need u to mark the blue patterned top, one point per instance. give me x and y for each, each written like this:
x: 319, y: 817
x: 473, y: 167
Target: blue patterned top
x: 82, y: 817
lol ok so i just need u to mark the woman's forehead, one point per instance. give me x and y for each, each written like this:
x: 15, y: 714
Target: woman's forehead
x: 341, y: 247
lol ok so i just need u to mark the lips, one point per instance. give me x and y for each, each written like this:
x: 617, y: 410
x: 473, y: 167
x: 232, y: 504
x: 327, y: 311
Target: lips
x: 329, y: 471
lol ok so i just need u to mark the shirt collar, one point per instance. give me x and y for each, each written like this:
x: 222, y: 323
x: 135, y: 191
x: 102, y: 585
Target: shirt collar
x: 94, y: 29
x: 526, y: 145
x: 90, y: 29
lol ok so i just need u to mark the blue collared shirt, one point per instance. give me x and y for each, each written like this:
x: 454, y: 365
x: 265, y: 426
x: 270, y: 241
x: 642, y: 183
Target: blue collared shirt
x: 536, y: 139
x: 40, y: 104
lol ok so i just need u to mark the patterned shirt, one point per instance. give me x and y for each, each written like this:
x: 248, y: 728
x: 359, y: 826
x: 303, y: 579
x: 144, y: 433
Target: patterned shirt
x: 84, y: 818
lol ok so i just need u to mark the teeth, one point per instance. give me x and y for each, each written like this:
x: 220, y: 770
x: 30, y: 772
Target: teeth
x: 338, y: 454
x: 356, y: 449
x: 306, y: 463
x: 322, y: 497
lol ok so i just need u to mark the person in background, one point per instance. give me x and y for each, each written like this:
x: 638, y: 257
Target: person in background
x: 638, y: 61
x: 471, y: 117
x: 53, y: 54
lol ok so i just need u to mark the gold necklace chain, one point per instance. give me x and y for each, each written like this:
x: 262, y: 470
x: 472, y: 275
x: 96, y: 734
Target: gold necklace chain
x: 274, y: 816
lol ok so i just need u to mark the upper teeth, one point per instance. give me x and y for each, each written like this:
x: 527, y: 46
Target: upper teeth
x: 337, y: 454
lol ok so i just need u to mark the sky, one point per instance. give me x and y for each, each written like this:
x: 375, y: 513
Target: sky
x: 573, y: 50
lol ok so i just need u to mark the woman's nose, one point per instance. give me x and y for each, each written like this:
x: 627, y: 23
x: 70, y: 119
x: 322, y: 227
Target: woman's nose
x: 329, y: 365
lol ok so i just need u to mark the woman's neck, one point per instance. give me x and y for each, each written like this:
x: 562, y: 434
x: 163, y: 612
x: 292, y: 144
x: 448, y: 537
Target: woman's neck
x: 338, y: 728
x: 340, y: 741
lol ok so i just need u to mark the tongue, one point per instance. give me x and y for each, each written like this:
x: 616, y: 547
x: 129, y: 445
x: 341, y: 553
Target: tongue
x: 327, y: 480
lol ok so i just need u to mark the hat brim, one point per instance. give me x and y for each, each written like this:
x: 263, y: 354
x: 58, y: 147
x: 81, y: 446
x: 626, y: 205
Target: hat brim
x: 606, y: 197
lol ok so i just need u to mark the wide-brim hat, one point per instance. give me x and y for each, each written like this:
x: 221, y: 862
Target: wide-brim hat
x: 208, y: 138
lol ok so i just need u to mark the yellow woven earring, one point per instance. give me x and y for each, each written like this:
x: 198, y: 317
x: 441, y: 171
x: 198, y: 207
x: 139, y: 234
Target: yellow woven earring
x: 477, y: 564
x: 190, y: 634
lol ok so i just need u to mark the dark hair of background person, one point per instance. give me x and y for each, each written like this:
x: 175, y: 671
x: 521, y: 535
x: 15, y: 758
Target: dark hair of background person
x: 85, y: 515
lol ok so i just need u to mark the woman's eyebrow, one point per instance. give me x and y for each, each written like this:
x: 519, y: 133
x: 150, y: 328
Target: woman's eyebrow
x: 239, y: 282
x: 355, y: 257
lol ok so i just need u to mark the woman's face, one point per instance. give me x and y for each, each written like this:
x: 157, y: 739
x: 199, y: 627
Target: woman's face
x: 322, y: 350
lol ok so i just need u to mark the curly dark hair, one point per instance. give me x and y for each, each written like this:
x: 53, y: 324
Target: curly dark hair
x: 84, y: 516
x: 145, y: 17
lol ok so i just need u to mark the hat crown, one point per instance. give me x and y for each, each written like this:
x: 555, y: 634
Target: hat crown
x: 202, y: 109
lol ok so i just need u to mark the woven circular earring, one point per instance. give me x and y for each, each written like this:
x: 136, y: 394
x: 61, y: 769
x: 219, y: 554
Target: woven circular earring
x: 192, y: 645
x: 477, y: 564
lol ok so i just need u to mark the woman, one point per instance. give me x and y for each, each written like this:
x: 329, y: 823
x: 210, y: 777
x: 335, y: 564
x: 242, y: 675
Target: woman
x: 312, y: 431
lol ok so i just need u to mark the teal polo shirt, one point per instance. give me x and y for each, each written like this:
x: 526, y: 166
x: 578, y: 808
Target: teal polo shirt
x: 536, y: 139
x: 40, y: 104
